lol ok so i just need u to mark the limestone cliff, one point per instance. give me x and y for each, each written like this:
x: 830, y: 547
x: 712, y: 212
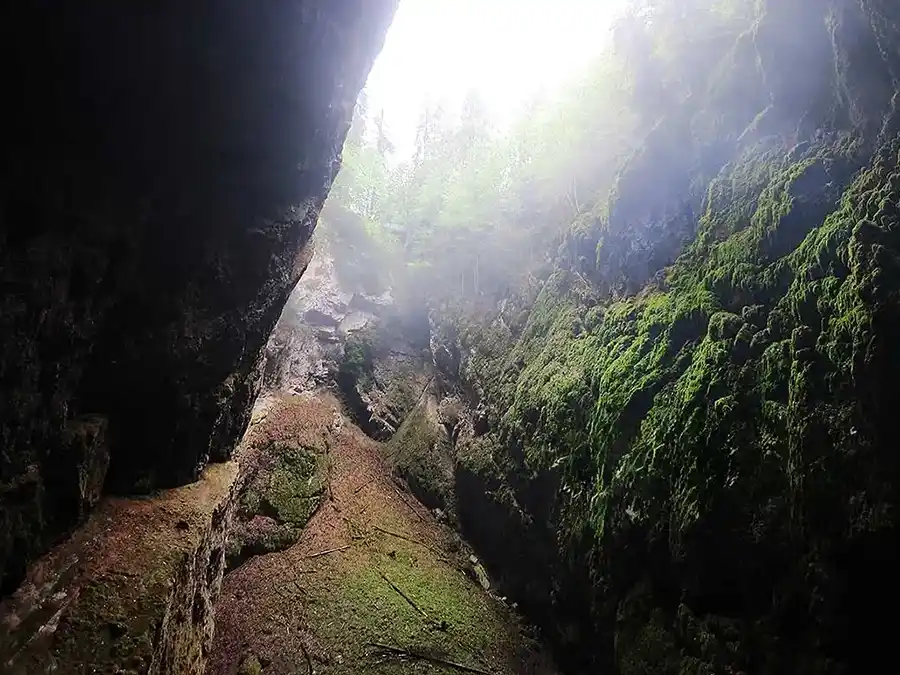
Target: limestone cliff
x: 350, y: 324
x: 163, y: 168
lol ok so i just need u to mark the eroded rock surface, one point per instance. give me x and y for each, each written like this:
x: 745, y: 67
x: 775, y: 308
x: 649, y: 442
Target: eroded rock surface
x: 163, y: 168
x: 342, y: 328
x: 324, y: 310
x: 131, y: 592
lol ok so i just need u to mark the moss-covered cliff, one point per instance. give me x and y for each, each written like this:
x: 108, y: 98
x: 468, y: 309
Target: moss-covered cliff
x: 696, y: 402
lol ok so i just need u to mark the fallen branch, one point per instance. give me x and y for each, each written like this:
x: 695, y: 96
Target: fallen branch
x: 427, y: 657
x: 411, y: 540
x: 400, y: 536
x: 332, y: 550
x: 410, y: 506
x: 405, y: 596
x: 283, y: 596
x: 366, y: 484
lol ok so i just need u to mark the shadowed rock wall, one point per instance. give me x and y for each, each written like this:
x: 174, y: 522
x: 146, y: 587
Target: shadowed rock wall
x: 163, y: 169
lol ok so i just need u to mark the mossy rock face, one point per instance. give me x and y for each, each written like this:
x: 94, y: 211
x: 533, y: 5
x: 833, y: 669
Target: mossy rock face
x: 730, y: 438
x: 132, y: 591
x: 359, y: 358
x: 718, y: 427
x: 110, y: 628
x: 383, y: 374
x: 278, y: 500
x: 295, y: 486
x: 421, y: 453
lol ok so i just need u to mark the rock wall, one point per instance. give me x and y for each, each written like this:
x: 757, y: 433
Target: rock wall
x: 132, y: 591
x: 324, y: 310
x: 348, y: 324
x: 689, y: 462
x: 163, y: 167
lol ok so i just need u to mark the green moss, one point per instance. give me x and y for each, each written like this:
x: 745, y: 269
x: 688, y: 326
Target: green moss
x: 357, y: 364
x: 478, y: 455
x: 724, y: 326
x: 461, y: 623
x: 114, y: 623
x: 726, y: 408
x: 296, y: 484
x: 421, y: 453
x: 289, y: 492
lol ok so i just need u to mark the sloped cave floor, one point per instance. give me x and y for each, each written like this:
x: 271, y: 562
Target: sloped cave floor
x: 374, y: 583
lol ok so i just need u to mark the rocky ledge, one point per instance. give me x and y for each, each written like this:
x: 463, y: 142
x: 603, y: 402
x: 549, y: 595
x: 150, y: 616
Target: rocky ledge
x: 131, y: 592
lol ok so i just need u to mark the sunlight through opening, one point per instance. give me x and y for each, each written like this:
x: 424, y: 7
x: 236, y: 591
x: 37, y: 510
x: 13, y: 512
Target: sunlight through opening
x: 507, y: 51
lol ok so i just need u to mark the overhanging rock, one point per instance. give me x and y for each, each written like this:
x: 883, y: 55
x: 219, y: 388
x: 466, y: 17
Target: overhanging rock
x: 163, y: 170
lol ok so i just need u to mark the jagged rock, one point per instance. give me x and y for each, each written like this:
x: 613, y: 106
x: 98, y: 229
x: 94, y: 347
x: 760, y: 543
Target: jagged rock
x: 372, y: 304
x: 354, y: 321
x: 86, y: 440
x: 307, y: 346
x: 151, y: 233
x: 479, y: 573
x: 131, y: 591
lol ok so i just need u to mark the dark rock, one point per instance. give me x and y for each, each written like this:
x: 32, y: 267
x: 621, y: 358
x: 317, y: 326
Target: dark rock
x: 92, y: 605
x: 86, y: 442
x: 164, y: 166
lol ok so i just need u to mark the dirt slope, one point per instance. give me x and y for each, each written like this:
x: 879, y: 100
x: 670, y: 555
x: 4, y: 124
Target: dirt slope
x: 372, y: 566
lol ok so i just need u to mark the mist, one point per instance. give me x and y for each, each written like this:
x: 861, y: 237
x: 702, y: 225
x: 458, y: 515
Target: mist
x: 545, y: 337
x: 569, y: 276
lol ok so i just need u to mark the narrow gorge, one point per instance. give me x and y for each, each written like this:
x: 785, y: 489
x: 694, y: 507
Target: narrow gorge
x: 292, y: 382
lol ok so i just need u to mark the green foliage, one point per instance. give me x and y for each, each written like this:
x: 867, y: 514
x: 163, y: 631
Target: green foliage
x: 359, y: 357
x: 474, y: 212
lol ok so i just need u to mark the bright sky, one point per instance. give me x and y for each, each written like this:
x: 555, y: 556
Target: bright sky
x: 509, y: 50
